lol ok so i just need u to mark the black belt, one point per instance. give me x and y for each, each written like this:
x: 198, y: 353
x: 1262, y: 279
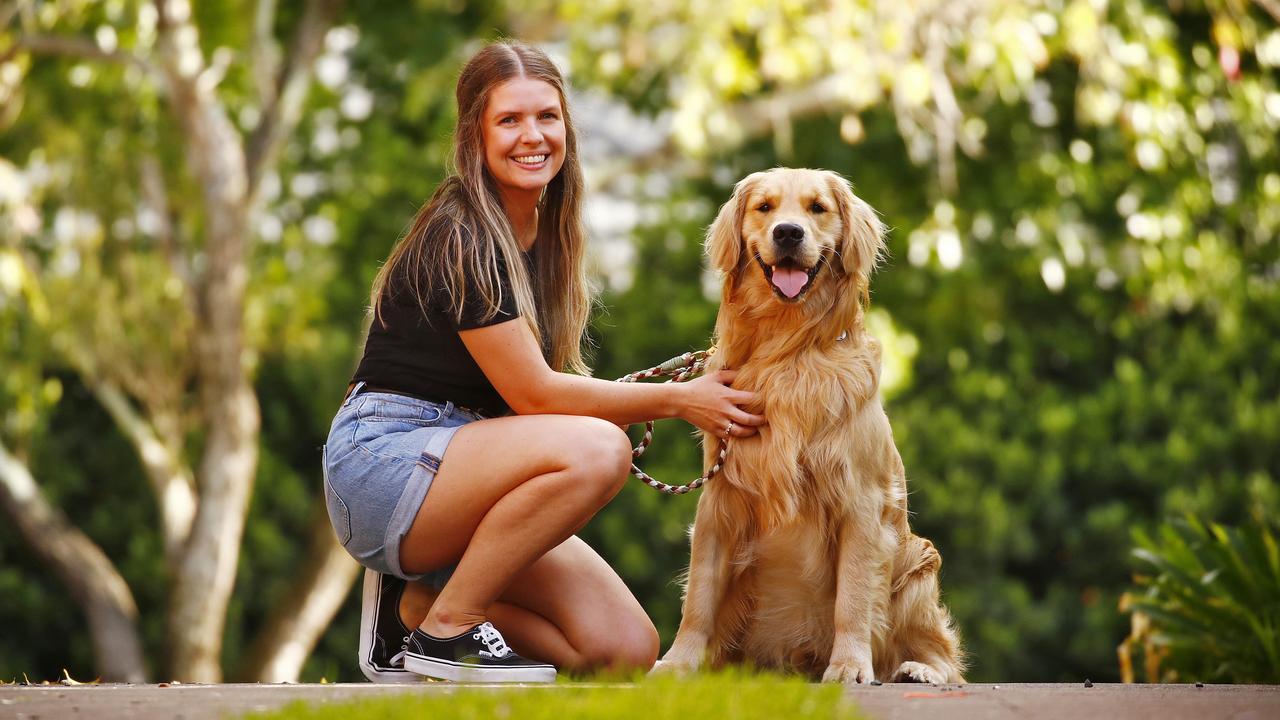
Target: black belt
x: 367, y: 388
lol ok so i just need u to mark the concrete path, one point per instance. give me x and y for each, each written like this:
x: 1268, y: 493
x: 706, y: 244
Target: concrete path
x: 1045, y: 701
x: 886, y: 702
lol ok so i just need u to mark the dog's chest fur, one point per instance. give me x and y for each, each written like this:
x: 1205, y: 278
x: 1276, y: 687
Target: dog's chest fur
x: 807, y: 462
x: 798, y: 480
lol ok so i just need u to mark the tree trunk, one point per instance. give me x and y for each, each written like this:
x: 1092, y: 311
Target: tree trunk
x: 228, y: 407
x: 204, y: 526
x: 299, y: 619
x: 207, y: 573
x: 86, y: 571
x: 161, y: 458
x: 230, y: 416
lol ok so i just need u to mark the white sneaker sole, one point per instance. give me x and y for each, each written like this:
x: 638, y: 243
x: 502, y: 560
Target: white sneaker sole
x: 368, y: 621
x: 458, y: 672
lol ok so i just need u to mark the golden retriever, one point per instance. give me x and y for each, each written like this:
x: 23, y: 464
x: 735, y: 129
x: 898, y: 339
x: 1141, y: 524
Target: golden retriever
x: 802, y: 558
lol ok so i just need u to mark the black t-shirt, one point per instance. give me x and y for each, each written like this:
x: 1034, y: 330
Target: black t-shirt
x: 423, y: 356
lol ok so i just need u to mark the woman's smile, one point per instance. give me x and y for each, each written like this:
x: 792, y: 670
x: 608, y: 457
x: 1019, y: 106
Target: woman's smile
x: 532, y: 161
x: 524, y: 138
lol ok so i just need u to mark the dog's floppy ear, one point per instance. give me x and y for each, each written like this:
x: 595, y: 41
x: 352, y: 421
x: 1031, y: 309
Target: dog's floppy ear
x: 724, y: 237
x: 862, y: 245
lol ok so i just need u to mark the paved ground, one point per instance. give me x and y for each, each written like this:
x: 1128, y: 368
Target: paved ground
x: 1053, y: 701
x: 887, y: 702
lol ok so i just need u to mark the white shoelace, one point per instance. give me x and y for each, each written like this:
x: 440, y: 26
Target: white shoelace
x: 397, y: 660
x: 489, y: 635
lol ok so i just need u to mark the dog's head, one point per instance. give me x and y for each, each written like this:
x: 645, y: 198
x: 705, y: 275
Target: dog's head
x: 785, y: 230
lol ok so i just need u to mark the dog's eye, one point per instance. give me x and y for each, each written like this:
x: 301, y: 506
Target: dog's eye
x: 764, y: 207
x: 816, y: 207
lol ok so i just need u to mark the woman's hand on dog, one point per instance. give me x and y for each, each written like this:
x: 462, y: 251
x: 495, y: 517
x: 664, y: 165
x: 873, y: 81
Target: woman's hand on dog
x: 711, y: 404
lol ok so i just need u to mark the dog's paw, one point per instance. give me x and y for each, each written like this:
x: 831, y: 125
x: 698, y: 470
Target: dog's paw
x: 916, y: 672
x: 854, y: 672
x: 676, y: 662
x: 664, y: 667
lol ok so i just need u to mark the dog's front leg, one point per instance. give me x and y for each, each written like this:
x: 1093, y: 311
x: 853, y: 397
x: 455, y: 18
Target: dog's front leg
x: 861, y: 580
x: 708, y: 576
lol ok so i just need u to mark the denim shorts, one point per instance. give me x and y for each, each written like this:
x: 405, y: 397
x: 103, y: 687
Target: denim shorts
x: 382, y: 453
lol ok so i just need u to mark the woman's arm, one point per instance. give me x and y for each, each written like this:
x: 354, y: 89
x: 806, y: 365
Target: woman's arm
x: 509, y: 356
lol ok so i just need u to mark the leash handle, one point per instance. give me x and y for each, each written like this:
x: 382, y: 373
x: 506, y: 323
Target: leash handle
x: 680, y: 368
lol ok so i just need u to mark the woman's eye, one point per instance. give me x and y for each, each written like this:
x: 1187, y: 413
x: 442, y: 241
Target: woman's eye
x: 764, y: 207
x: 817, y: 207
x: 549, y: 116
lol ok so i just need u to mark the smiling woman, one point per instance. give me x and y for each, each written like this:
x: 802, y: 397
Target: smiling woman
x: 465, y: 457
x: 524, y: 135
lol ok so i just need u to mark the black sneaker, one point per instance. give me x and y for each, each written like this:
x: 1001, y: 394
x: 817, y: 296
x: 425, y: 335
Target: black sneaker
x: 383, y: 638
x: 478, y: 655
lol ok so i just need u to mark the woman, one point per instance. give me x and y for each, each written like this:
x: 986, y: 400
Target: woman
x: 462, y: 456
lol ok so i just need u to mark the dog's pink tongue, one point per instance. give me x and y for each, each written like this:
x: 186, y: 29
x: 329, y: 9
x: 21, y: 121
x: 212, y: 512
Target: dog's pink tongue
x: 789, y: 280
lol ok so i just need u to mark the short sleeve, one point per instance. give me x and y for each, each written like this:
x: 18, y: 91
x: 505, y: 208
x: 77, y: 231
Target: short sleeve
x: 476, y: 312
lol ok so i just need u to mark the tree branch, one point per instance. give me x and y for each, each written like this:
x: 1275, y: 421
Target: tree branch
x: 281, y: 116
x: 759, y: 115
x: 171, y: 479
x: 8, y: 12
x: 74, y: 47
x: 156, y: 195
x: 949, y: 116
x: 84, y: 569
x: 229, y: 410
x: 1272, y: 7
x: 265, y: 52
x: 300, y: 617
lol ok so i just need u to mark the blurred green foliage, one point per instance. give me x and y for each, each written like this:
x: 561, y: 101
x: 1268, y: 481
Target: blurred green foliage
x: 1080, y: 314
x: 1093, y: 323
x: 1212, y: 601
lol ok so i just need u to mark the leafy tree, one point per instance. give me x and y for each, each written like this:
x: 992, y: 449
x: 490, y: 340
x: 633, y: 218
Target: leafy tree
x: 152, y: 273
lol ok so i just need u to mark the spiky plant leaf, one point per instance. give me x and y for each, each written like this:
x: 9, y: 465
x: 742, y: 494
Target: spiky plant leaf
x: 1213, y: 599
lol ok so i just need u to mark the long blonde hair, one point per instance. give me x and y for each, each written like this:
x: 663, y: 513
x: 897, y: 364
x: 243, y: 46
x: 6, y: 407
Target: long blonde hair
x: 463, y: 231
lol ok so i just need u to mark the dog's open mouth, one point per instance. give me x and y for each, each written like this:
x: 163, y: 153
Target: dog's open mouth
x: 788, y: 278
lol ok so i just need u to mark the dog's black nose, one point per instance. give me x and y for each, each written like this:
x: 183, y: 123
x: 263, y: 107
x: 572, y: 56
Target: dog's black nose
x: 787, y: 235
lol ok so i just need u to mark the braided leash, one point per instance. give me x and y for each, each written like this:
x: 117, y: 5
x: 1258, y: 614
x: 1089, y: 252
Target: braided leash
x: 680, y: 369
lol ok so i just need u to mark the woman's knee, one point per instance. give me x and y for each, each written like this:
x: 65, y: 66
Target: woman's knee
x: 639, y: 649
x: 601, y: 455
x: 628, y: 646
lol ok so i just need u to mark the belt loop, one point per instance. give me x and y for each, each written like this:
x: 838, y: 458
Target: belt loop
x: 354, y: 392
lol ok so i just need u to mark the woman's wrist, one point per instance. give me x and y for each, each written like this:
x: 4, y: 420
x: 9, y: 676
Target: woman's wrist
x: 678, y: 402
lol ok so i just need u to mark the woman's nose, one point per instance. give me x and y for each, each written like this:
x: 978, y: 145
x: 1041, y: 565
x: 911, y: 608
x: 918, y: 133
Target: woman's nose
x: 531, y: 133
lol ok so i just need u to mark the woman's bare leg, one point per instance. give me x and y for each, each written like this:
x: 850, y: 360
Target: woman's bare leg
x: 508, y: 491
x: 577, y: 592
x: 569, y: 609
x: 531, y: 634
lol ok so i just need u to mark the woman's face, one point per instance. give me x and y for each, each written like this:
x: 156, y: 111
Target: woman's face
x: 523, y: 137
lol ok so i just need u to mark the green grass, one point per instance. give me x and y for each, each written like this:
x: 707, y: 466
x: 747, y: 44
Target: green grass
x: 727, y: 695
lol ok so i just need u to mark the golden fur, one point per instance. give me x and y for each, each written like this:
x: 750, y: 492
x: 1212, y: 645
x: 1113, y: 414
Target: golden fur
x: 802, y: 558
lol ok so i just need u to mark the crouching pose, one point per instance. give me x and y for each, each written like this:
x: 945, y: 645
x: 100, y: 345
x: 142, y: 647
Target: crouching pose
x: 463, y: 458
